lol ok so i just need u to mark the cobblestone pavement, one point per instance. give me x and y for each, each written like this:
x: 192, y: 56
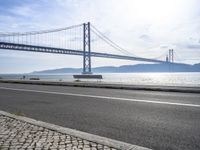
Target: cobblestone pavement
x: 15, y: 134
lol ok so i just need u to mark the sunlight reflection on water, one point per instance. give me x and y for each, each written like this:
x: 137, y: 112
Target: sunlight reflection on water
x: 172, y: 79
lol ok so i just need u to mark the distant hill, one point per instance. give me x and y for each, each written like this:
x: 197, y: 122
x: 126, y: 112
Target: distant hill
x: 130, y: 68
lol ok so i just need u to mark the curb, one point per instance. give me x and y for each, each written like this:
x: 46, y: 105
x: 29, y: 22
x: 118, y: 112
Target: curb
x: 111, y: 86
x: 83, y: 135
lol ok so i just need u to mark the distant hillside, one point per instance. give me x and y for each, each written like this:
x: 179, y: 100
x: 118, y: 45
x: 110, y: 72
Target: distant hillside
x: 130, y: 68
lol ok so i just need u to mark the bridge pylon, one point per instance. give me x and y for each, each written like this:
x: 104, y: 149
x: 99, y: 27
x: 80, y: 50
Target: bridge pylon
x: 86, y: 49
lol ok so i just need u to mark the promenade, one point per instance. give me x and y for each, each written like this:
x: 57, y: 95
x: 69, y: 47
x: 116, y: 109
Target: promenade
x: 17, y: 132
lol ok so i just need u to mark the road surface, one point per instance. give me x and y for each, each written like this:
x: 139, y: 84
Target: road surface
x: 157, y: 120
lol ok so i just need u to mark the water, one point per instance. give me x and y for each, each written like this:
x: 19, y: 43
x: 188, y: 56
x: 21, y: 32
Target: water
x: 169, y: 79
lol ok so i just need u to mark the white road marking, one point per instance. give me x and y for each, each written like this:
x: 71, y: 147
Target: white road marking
x: 103, y: 97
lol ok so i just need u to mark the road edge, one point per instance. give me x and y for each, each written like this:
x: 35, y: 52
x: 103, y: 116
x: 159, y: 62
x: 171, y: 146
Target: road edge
x: 87, y: 136
x: 109, y: 86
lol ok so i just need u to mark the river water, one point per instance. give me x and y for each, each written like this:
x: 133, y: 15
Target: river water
x: 168, y: 79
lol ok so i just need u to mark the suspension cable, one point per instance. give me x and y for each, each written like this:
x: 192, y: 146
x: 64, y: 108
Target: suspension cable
x: 110, y: 42
x: 38, y: 32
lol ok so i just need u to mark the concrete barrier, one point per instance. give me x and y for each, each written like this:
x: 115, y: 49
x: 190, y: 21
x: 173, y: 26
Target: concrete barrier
x: 111, y: 86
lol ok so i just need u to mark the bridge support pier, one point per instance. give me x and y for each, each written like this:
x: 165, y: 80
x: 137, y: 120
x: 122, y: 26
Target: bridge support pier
x: 86, y: 49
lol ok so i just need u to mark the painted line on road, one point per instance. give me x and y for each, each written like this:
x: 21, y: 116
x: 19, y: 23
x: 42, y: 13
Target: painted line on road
x: 102, y: 97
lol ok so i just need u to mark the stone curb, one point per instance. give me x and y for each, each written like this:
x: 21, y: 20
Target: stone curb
x: 110, y: 86
x: 83, y: 135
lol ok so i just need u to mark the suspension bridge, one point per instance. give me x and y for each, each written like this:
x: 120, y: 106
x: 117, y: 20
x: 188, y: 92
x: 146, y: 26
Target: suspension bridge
x: 82, y: 40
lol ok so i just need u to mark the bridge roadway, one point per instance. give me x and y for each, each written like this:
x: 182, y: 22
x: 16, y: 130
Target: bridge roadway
x: 44, y: 49
x: 117, y: 114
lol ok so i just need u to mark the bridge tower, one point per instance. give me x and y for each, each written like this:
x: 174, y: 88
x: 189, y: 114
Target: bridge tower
x: 171, y: 55
x: 86, y: 49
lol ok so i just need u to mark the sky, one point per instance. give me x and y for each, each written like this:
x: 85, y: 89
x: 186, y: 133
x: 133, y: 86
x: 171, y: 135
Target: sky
x: 146, y: 28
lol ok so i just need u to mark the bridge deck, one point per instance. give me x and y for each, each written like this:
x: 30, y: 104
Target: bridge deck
x: 44, y: 49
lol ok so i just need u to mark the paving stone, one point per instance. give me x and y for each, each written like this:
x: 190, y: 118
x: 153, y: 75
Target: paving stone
x: 15, y: 134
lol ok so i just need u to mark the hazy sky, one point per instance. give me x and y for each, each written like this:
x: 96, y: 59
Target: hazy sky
x: 147, y: 28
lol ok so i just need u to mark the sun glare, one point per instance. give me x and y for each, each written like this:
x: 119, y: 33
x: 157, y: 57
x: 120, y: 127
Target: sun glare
x: 157, y: 11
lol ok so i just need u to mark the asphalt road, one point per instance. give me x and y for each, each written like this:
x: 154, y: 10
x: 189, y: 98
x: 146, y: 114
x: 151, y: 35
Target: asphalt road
x: 157, y: 120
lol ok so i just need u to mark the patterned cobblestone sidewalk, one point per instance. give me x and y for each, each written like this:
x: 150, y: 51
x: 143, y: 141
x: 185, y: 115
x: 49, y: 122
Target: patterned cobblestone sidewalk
x: 15, y: 134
